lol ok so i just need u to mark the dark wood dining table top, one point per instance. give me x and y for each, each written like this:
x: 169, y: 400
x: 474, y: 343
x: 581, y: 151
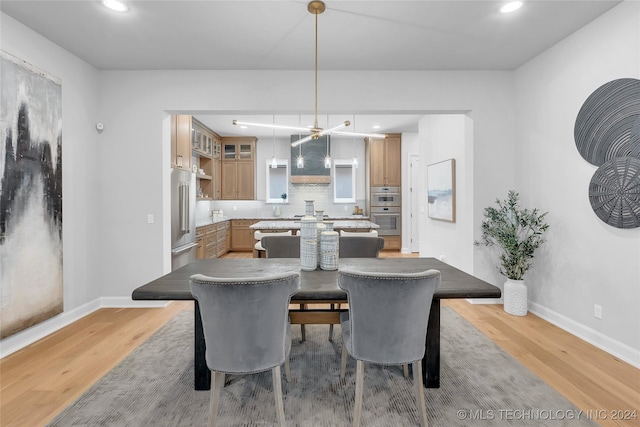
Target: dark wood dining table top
x: 314, y: 285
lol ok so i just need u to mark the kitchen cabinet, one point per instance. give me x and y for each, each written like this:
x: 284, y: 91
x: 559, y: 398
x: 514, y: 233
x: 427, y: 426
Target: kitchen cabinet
x: 200, y: 242
x: 221, y: 236
x: 385, y: 161
x: 181, y: 142
x: 216, y: 167
x: 392, y: 243
x: 238, y: 168
x: 241, y: 235
x: 213, y: 240
x: 205, y: 145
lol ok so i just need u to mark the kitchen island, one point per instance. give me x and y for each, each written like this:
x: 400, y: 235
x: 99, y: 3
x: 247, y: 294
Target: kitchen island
x: 347, y: 225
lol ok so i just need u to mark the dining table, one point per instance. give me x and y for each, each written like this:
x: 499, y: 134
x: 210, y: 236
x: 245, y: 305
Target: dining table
x: 317, y: 288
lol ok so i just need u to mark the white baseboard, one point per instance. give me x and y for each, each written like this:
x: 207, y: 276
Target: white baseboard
x: 603, y: 342
x: 484, y: 300
x: 22, y: 339
x: 127, y: 302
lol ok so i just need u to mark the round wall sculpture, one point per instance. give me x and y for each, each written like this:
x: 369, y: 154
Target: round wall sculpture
x: 607, y: 135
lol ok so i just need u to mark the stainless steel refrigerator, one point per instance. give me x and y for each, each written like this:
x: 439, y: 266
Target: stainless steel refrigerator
x: 183, y: 218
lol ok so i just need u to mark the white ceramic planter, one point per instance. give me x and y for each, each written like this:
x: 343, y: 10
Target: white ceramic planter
x: 515, y: 297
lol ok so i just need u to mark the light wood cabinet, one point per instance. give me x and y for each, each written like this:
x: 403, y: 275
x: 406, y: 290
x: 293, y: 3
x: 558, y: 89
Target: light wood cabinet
x: 181, y: 142
x: 213, y: 240
x: 201, y: 138
x: 238, y: 168
x: 385, y: 161
x: 392, y: 243
x: 216, y: 167
x: 200, y: 241
x: 221, y: 237
x: 241, y: 235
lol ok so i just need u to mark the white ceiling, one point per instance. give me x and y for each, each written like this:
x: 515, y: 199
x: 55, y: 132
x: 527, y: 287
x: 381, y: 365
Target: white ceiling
x: 279, y: 35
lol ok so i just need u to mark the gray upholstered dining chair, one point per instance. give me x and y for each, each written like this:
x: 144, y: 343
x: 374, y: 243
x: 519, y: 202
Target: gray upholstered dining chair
x: 281, y: 246
x: 284, y: 247
x: 258, y: 249
x: 370, y: 233
x: 360, y: 247
x: 240, y: 343
x: 386, y: 324
x: 353, y: 246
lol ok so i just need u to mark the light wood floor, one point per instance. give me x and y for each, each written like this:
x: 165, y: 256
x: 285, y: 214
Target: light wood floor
x: 40, y: 380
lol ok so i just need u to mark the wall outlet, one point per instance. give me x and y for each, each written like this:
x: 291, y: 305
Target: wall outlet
x: 597, y: 311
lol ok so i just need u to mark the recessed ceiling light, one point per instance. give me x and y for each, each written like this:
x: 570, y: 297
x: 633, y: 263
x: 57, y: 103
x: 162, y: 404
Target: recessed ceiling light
x: 115, y: 5
x: 376, y: 126
x: 511, y: 7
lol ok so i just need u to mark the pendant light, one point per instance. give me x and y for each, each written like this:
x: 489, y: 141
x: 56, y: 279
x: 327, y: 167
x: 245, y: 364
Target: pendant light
x: 353, y: 141
x: 316, y: 7
x: 300, y: 159
x: 327, y: 158
x: 274, y: 162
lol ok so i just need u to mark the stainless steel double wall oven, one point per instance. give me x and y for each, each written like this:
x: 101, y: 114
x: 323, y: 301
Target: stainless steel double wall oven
x: 386, y: 210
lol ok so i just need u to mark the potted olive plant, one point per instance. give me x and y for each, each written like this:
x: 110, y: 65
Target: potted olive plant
x: 517, y: 233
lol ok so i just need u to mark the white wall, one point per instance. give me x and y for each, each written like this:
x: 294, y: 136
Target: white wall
x: 79, y: 155
x: 585, y: 261
x: 113, y: 180
x: 410, y: 146
x: 132, y: 104
x: 449, y: 136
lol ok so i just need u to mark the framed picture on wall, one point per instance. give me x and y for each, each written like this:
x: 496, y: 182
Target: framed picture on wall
x: 441, y: 190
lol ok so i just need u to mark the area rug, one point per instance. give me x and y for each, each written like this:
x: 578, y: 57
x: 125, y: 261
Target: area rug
x: 481, y: 385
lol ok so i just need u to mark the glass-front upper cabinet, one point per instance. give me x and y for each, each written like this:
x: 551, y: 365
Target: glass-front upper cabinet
x: 229, y: 150
x: 277, y: 181
x: 238, y: 148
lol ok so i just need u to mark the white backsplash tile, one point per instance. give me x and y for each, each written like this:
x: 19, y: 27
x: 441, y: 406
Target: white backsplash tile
x: 321, y: 194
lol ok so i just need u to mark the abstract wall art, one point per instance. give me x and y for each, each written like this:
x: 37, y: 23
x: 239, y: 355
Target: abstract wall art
x: 441, y: 190
x: 30, y: 196
x: 607, y: 135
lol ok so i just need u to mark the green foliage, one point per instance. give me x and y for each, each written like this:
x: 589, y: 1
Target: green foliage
x: 516, y: 232
x: 284, y: 196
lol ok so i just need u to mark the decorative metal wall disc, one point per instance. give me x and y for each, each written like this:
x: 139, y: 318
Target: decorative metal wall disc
x: 614, y: 192
x: 607, y: 125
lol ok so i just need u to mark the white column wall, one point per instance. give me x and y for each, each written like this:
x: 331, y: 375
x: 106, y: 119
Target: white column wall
x: 585, y: 261
x: 449, y: 136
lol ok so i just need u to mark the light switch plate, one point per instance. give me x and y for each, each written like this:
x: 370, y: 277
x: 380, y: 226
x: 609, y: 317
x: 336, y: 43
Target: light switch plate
x: 150, y: 219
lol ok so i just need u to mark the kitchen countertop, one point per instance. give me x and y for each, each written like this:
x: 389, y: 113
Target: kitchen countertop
x: 351, y: 218
x: 295, y: 225
x: 210, y: 221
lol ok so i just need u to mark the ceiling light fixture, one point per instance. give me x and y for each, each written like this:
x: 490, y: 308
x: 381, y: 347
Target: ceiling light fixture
x: 353, y: 141
x: 274, y: 162
x: 316, y: 7
x: 300, y: 159
x: 327, y: 158
x: 511, y: 7
x: 115, y: 5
